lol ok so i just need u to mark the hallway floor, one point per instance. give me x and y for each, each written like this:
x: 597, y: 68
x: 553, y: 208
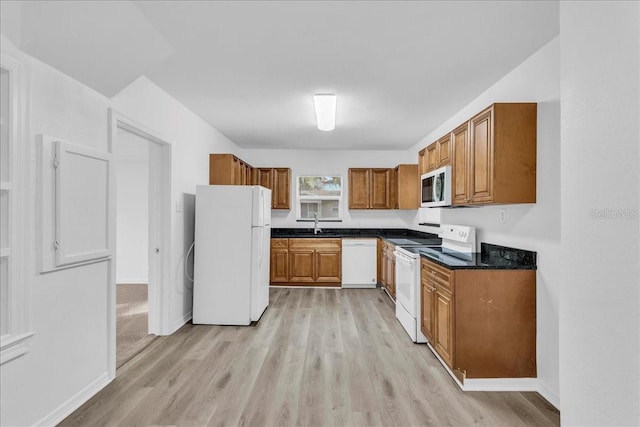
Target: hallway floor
x: 132, y: 311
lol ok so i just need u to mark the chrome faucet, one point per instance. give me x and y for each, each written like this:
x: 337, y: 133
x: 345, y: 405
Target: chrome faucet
x: 316, y: 229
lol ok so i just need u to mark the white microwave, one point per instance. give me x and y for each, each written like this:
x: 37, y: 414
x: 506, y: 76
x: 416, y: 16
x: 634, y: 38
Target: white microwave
x: 436, y: 188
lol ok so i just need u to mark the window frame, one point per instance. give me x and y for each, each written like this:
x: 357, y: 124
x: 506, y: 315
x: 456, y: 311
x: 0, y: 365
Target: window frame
x: 14, y: 343
x: 339, y: 198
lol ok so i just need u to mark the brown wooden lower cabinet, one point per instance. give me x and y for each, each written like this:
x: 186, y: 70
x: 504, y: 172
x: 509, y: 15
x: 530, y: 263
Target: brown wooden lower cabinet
x: 306, y: 261
x: 328, y: 266
x: 482, y: 323
x: 279, y: 271
x: 388, y: 268
x: 428, y: 309
x: 301, y: 265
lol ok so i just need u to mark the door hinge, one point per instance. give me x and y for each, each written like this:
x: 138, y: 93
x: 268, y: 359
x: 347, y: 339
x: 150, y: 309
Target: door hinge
x: 56, y: 245
x: 56, y: 163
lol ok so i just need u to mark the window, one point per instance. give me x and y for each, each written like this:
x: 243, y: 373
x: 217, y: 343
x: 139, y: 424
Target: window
x: 13, y: 302
x: 321, y: 196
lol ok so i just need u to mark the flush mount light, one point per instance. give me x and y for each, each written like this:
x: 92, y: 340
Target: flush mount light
x: 325, y: 110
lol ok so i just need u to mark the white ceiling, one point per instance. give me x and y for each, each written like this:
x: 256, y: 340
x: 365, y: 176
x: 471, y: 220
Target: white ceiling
x: 250, y: 69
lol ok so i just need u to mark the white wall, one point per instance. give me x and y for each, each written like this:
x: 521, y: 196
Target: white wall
x: 600, y: 295
x: 329, y: 162
x: 132, y: 208
x: 192, y: 141
x: 68, y: 353
x: 533, y: 227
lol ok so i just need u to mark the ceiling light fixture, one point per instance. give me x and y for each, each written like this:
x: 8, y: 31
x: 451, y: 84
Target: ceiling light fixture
x: 325, y: 110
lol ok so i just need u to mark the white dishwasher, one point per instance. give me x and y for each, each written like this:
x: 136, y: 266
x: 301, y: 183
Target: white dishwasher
x: 359, y: 263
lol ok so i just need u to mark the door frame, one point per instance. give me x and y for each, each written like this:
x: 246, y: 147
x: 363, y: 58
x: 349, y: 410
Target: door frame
x: 159, y: 231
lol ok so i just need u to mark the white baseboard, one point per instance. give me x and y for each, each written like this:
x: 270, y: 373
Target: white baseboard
x: 132, y: 282
x: 360, y: 286
x: 180, y: 322
x: 549, y: 394
x: 64, y: 410
x: 500, y: 384
x: 503, y: 384
x: 306, y: 287
x: 489, y: 384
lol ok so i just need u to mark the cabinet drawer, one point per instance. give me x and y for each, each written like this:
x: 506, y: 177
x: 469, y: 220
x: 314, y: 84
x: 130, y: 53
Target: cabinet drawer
x: 315, y: 244
x: 279, y: 243
x: 328, y: 245
x: 436, y: 274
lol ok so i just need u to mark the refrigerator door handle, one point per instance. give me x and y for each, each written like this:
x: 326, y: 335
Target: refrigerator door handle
x: 260, y: 246
x: 261, y: 209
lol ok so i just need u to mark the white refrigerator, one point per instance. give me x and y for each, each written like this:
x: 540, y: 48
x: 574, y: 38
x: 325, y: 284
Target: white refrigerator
x: 231, y: 254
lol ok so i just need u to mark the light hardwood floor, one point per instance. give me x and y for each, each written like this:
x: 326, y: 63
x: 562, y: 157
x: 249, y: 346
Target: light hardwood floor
x: 317, y: 357
x: 132, y: 317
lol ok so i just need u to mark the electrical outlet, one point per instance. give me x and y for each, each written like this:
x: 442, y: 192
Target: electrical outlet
x: 503, y: 215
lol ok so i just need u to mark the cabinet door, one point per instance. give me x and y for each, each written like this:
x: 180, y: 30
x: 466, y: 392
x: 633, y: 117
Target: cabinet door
x: 237, y: 172
x: 328, y: 268
x: 443, y: 325
x: 380, y: 190
x: 264, y: 177
x: 427, y: 309
x: 422, y: 162
x: 481, y: 152
x: 248, y: 172
x: 407, y: 187
x: 390, y: 269
x: 221, y: 169
x: 301, y: 265
x: 460, y: 164
x: 444, y: 151
x: 281, y: 188
x: 384, y: 267
x: 392, y: 275
x: 279, y: 265
x: 432, y: 156
x: 358, y: 188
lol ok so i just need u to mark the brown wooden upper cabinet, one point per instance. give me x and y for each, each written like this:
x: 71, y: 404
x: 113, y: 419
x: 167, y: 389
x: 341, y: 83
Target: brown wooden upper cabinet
x: 407, y: 187
x: 278, y: 180
x: 459, y: 177
x: 227, y: 169
x: 422, y: 161
x: 493, y: 156
x: 501, y: 155
x: 443, y: 152
x: 371, y: 188
x: 432, y: 156
x: 435, y: 155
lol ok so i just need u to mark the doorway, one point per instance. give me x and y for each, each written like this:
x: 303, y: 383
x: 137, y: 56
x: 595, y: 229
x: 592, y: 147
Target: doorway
x: 132, y: 249
x: 142, y: 232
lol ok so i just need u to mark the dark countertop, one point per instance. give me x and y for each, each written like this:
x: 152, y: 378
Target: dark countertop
x: 490, y: 257
x: 396, y: 236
